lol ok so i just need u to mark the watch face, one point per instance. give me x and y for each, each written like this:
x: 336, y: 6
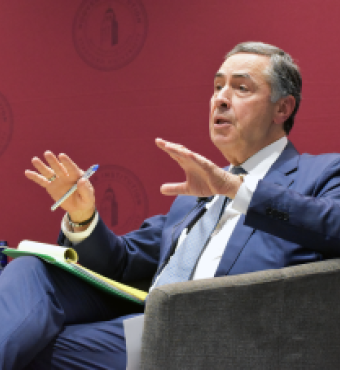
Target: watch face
x: 84, y: 223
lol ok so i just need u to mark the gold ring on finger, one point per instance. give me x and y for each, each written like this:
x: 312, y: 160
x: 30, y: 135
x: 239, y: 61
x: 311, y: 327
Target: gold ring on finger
x: 52, y: 178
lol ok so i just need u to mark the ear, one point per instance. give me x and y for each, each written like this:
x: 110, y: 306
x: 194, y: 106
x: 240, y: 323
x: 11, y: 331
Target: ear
x: 284, y: 107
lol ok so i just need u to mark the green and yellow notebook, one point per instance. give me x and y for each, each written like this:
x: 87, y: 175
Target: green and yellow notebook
x: 66, y: 258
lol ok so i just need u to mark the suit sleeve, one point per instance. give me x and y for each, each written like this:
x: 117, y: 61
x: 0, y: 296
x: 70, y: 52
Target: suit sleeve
x: 311, y: 218
x: 133, y: 256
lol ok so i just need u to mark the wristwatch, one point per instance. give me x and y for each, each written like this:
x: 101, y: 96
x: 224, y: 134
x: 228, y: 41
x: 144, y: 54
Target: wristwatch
x: 83, y: 223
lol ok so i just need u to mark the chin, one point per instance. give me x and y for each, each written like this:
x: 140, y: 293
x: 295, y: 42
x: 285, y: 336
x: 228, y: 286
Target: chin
x: 223, y: 145
x: 220, y: 140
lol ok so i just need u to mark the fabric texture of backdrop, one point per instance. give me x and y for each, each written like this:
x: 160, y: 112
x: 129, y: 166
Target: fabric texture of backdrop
x: 101, y: 79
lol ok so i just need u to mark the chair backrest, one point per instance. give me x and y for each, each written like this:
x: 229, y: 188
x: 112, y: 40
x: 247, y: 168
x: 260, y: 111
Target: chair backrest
x: 276, y: 319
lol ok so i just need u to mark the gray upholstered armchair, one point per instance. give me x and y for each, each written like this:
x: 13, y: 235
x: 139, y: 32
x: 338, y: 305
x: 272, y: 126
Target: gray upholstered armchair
x: 270, y: 320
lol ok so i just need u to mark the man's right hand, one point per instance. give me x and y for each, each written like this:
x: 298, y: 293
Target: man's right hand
x: 81, y: 204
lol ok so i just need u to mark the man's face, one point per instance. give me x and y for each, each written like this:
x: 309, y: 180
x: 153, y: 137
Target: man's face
x: 241, y: 113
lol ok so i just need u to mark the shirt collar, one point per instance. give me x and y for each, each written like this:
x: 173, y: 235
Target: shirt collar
x: 260, y: 163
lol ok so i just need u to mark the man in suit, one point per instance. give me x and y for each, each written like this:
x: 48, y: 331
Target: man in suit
x: 283, y: 210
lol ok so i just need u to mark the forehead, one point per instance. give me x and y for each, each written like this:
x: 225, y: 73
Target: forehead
x: 253, y: 65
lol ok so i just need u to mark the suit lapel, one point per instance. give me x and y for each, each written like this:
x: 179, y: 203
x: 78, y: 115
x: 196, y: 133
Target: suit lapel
x: 284, y: 170
x: 283, y: 173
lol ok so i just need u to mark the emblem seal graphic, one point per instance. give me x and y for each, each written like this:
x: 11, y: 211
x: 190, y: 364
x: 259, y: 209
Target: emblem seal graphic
x: 6, y: 123
x: 109, y: 34
x: 121, y: 198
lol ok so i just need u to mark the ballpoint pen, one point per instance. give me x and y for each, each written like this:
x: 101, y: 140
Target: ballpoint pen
x: 86, y: 175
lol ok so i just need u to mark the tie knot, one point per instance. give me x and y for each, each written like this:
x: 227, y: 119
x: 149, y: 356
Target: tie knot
x: 238, y: 170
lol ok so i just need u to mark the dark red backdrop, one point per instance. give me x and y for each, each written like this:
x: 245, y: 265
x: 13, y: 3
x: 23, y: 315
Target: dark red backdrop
x: 100, y: 79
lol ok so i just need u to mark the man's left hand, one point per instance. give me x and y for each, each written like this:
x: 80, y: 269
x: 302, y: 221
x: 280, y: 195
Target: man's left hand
x: 203, y: 177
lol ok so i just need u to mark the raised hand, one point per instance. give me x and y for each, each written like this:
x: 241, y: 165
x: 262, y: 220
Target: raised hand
x: 203, y: 177
x: 57, y: 177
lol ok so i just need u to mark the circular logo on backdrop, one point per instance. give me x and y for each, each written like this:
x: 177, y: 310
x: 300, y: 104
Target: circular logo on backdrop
x: 121, y: 198
x: 109, y: 34
x: 6, y: 123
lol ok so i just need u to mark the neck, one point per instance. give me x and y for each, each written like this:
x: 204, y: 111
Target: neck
x: 239, y: 156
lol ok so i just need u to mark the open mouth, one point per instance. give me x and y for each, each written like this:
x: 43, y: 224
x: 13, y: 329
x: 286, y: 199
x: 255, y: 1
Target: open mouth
x: 220, y: 121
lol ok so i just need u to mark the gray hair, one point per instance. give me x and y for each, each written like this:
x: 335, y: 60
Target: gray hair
x: 283, y: 74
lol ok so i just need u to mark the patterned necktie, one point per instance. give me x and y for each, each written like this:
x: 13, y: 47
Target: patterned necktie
x: 183, y: 262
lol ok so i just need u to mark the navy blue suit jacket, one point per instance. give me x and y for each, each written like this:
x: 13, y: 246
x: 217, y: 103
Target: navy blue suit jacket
x: 293, y: 218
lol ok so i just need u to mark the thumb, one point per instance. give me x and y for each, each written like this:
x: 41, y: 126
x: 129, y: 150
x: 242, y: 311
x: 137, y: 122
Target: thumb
x: 86, y: 190
x: 174, y: 189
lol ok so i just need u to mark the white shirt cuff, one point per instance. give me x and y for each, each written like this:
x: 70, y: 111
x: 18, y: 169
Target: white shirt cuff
x: 76, y: 238
x: 245, y: 193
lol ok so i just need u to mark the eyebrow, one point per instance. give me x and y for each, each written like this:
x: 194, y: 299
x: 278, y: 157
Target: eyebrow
x: 241, y: 75
x: 219, y: 74
x: 237, y: 75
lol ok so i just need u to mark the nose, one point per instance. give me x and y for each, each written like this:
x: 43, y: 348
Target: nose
x: 222, y: 98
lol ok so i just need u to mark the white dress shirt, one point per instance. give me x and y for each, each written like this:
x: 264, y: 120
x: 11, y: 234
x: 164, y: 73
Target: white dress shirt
x: 256, y: 166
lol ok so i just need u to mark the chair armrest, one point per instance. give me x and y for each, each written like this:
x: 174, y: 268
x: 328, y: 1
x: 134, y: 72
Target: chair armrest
x: 274, y: 319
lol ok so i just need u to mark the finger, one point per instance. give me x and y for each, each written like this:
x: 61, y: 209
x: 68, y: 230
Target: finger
x: 56, y: 166
x: 174, y: 189
x: 160, y: 142
x: 38, y: 179
x: 163, y: 144
x: 71, y: 167
x: 41, y: 167
x: 185, y: 157
x: 177, y: 152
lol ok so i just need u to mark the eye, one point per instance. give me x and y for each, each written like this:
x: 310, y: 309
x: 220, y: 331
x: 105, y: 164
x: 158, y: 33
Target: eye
x: 243, y: 88
x: 218, y: 87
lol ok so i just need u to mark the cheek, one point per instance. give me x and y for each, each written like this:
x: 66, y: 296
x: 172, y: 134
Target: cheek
x: 248, y: 115
x: 212, y: 102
